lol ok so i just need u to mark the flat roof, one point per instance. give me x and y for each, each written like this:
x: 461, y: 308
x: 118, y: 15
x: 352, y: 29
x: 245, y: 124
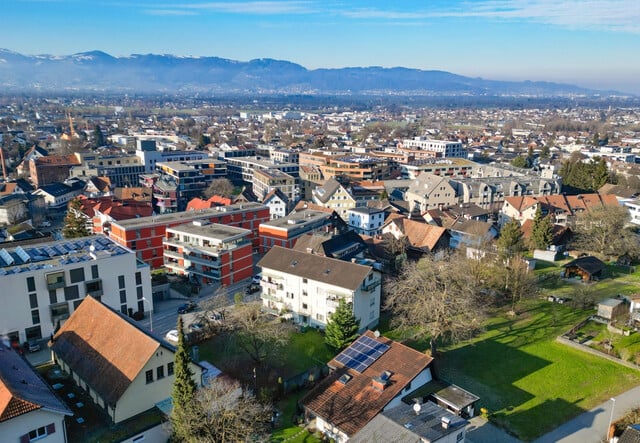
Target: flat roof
x: 164, y: 219
x: 297, y: 219
x: 210, y: 230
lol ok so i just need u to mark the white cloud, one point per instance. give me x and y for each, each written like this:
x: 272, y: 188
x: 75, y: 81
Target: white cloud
x: 251, y: 7
x: 168, y: 12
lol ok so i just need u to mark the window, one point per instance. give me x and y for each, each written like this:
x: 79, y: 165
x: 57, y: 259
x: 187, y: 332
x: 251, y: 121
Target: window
x: 55, y: 280
x: 160, y: 372
x: 304, y: 293
x: 170, y: 368
x: 139, y: 292
x: 33, y: 333
x: 123, y: 296
x: 305, y: 306
x: 94, y: 288
x: 123, y: 309
x: 71, y: 292
x: 33, y: 301
x: 31, y: 284
x: 35, y: 317
x: 53, y: 298
x: 94, y: 272
x: 39, y: 433
x: 138, y: 278
x: 76, y: 275
x: 76, y: 304
x: 141, y: 306
x: 149, y: 376
x: 304, y: 280
x: 59, y: 311
x: 319, y: 317
x: 121, y: 282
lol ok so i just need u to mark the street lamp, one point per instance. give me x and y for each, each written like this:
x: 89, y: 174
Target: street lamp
x: 150, y: 313
x: 613, y: 405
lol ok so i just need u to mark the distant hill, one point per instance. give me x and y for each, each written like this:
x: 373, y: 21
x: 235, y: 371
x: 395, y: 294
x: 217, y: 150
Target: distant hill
x: 98, y: 71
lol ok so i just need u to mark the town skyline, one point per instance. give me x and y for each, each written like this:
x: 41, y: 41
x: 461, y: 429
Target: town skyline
x: 581, y: 43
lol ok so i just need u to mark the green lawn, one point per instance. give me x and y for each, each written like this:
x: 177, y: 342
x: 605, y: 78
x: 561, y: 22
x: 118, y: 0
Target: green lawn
x: 530, y: 383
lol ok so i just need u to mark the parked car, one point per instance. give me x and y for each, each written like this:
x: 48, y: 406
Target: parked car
x: 45, y: 224
x: 33, y: 345
x: 256, y: 279
x: 187, y: 307
x: 252, y: 288
x: 172, y: 335
x: 196, y: 327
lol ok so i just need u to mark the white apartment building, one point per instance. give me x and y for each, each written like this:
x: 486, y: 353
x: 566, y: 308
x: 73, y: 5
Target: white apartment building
x: 43, y: 283
x: 634, y: 210
x: 367, y: 221
x: 308, y: 287
x: 441, y: 148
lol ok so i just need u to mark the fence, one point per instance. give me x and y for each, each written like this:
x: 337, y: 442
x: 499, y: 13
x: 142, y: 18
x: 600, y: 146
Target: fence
x: 300, y: 380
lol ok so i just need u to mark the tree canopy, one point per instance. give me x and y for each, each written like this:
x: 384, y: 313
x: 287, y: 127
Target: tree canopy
x: 342, y: 327
x: 220, y: 186
x: 582, y: 176
x: 510, y: 243
x: 541, y: 231
x: 604, y: 231
x: 74, y: 223
x: 184, y: 390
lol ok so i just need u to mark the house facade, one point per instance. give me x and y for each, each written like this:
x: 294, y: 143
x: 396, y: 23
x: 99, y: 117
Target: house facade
x: 44, y: 283
x: 308, y: 287
x: 209, y: 252
x: 125, y: 370
x: 29, y: 409
x: 430, y: 191
x: 332, y: 195
x: 367, y: 221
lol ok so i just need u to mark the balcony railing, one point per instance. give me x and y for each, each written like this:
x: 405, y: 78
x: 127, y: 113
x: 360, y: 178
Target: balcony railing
x: 370, y: 286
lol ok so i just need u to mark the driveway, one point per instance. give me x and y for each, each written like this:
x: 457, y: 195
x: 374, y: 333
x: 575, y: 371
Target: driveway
x: 482, y: 431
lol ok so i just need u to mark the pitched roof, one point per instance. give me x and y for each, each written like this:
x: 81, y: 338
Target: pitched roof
x: 134, y: 193
x: 521, y: 203
x: 22, y: 390
x: 352, y: 405
x: 324, y: 192
x: 275, y: 192
x: 103, y: 348
x: 314, y: 267
x: 589, y: 264
x: 419, y: 233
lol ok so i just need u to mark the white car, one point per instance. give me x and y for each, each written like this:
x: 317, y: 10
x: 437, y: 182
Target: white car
x: 256, y: 279
x: 172, y: 335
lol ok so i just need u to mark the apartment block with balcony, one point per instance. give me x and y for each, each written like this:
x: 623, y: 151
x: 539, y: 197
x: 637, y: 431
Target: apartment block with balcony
x: 266, y: 180
x: 307, y: 287
x: 209, y: 252
x: 43, y: 283
x: 145, y: 234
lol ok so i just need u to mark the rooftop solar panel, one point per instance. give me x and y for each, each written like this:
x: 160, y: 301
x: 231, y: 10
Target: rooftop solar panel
x: 362, y: 353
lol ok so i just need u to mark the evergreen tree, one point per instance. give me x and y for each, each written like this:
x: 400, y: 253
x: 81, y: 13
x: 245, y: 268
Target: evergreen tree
x: 98, y: 136
x: 511, y: 242
x: 542, y: 231
x: 600, y: 174
x: 342, y: 327
x: 74, y: 223
x: 184, y: 390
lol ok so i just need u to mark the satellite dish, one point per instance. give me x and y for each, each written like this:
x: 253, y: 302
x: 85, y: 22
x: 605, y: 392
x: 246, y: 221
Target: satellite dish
x: 376, y: 333
x: 417, y: 408
x: 92, y: 247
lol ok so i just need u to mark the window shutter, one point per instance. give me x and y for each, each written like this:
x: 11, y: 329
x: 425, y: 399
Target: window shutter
x: 24, y: 438
x: 51, y: 428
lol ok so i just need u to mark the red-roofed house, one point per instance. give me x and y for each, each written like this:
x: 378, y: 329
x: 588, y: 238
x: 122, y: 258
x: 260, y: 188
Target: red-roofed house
x: 354, y: 393
x: 197, y: 203
x: 29, y: 409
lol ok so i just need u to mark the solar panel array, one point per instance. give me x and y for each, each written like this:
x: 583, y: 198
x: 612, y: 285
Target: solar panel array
x: 67, y: 252
x: 362, y: 353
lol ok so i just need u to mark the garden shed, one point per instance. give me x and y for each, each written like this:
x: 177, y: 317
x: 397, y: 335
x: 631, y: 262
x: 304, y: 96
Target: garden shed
x: 589, y: 268
x: 611, y: 308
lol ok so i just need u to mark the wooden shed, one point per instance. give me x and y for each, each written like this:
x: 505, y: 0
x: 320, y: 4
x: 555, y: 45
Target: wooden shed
x: 589, y: 268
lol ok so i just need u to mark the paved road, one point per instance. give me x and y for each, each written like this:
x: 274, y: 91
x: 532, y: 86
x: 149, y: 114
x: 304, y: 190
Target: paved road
x: 591, y: 426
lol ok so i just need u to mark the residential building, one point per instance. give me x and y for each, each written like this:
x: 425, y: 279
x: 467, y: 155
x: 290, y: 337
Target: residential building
x: 242, y: 168
x: 426, y: 422
x: 51, y: 168
x: 366, y: 221
x: 357, y: 167
x: 278, y: 204
x: 634, y: 210
x: 267, y: 180
x: 121, y: 169
x: 450, y: 167
x: 58, y: 195
x: 439, y: 148
x: 310, y: 178
x: 29, y: 409
x: 333, y: 195
x: 124, y: 369
x: 145, y: 234
x: 471, y: 233
x: 149, y: 155
x: 430, y: 191
x: 286, y: 230
x: 308, y: 287
x: 421, y: 237
x: 372, y: 375
x: 209, y: 252
x: 345, y: 246
x: 43, y: 283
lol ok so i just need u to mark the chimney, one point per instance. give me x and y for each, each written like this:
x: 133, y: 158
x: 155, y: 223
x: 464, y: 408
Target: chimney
x: 380, y: 382
x: 445, y: 422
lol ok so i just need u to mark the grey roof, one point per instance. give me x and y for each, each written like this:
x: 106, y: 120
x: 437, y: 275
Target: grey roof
x: 214, y: 231
x: 313, y: 267
x: 28, y: 390
x: 366, y: 210
x: 325, y: 192
x: 402, y: 425
x: 630, y: 435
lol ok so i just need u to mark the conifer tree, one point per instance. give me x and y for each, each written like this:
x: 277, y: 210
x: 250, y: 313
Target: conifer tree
x: 510, y: 242
x: 184, y: 390
x: 342, y: 327
x: 74, y: 223
x: 541, y: 231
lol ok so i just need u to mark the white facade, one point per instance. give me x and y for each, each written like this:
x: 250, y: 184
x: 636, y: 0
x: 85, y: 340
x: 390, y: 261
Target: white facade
x: 442, y: 148
x: 44, y: 283
x: 311, y: 302
x: 366, y: 221
x: 277, y: 207
x: 634, y: 210
x: 47, y: 427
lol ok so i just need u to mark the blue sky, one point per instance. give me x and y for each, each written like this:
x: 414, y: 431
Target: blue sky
x: 593, y: 43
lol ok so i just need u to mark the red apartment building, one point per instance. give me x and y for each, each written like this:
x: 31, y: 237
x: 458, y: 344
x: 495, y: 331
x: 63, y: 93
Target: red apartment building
x: 209, y: 252
x: 146, y: 234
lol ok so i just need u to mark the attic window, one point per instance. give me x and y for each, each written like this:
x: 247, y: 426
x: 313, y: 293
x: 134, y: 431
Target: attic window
x: 344, y: 379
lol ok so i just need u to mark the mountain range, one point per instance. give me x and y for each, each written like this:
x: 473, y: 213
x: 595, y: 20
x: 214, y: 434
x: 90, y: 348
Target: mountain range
x: 98, y: 71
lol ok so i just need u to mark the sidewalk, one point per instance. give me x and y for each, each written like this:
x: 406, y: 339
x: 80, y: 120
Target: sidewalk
x: 591, y: 426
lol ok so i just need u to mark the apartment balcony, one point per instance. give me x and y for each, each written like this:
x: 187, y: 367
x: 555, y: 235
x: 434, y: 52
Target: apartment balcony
x: 203, y: 261
x: 372, y: 285
x: 172, y: 254
x: 273, y: 298
x: 272, y: 285
x: 209, y: 274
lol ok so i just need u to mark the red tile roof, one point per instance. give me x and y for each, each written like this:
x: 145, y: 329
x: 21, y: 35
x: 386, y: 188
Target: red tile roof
x: 215, y: 200
x: 352, y: 405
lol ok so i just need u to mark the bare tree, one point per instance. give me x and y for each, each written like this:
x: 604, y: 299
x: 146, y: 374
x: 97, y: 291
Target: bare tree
x: 515, y: 281
x: 434, y: 299
x: 224, y: 411
x: 603, y: 230
x: 220, y: 186
x: 257, y: 333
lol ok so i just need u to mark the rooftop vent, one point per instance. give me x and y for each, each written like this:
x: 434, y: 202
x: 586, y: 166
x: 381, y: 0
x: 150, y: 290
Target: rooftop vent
x: 446, y: 422
x: 344, y: 379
